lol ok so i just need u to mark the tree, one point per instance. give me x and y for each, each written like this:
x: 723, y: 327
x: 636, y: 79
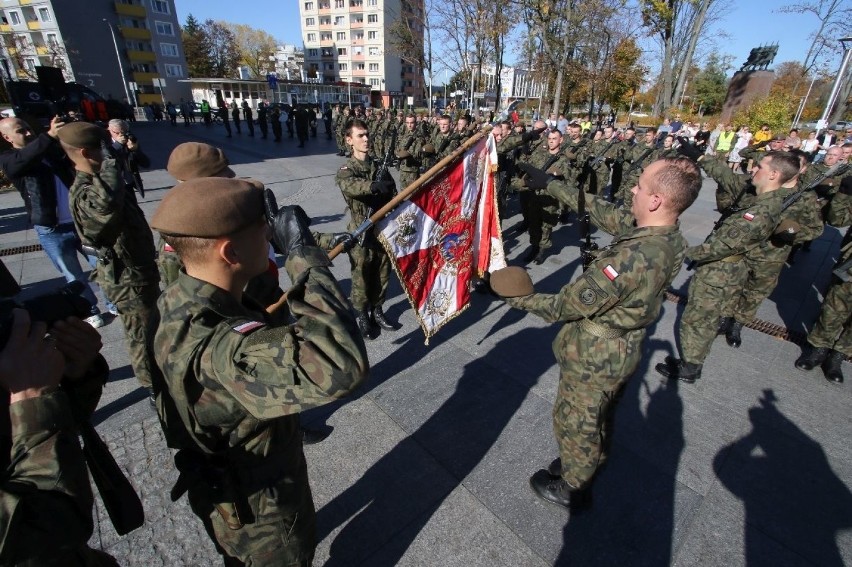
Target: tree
x: 834, y: 17
x: 196, y: 48
x: 224, y: 54
x: 410, y: 37
x: 775, y: 110
x: 254, y: 47
x: 711, y: 85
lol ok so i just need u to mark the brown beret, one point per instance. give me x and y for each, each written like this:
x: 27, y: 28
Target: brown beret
x: 778, y: 136
x: 82, y: 135
x: 191, y: 160
x: 513, y: 281
x: 209, y: 207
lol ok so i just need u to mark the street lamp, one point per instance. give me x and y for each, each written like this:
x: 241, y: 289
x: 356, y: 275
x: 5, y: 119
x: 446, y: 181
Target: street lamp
x: 118, y: 56
x: 838, y: 81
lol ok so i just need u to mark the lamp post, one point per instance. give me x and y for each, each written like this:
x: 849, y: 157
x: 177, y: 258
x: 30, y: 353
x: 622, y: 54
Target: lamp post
x: 835, y: 90
x: 118, y: 56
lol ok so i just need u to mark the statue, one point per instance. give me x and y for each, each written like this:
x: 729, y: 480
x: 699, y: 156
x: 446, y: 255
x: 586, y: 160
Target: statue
x: 760, y: 58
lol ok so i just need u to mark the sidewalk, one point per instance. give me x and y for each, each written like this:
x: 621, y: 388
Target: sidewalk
x: 429, y: 462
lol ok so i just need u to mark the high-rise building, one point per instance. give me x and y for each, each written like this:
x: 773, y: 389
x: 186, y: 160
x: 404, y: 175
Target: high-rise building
x: 347, y: 40
x: 118, y: 48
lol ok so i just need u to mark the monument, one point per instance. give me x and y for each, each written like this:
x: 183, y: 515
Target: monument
x: 752, y: 81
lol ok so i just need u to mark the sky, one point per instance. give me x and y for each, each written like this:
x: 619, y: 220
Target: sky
x: 749, y: 23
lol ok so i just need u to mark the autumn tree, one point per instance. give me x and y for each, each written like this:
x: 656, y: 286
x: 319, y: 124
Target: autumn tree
x: 224, y: 54
x: 254, y: 48
x: 196, y: 47
x: 410, y: 36
x: 775, y: 110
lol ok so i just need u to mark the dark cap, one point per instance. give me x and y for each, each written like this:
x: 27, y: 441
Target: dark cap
x: 82, y: 135
x: 513, y: 281
x: 778, y: 136
x: 192, y: 160
x: 209, y: 207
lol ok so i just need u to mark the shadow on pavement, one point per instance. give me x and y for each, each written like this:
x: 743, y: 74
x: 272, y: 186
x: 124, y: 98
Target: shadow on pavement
x: 106, y: 411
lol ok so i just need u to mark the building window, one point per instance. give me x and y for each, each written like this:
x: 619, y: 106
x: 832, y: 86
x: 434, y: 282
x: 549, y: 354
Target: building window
x: 160, y: 6
x: 339, y: 20
x: 374, y: 66
x: 341, y: 51
x: 15, y: 18
x: 341, y: 36
x: 164, y: 28
x: 312, y: 53
x: 358, y: 50
x: 44, y: 14
x: 173, y: 70
x: 358, y: 36
x: 339, y: 3
x: 372, y: 2
x: 52, y: 40
x: 311, y: 37
x: 29, y: 65
x: 359, y: 66
x: 310, y: 21
x: 169, y: 49
x: 372, y: 18
x: 373, y: 51
x: 374, y: 82
x: 328, y: 66
x: 325, y: 36
x: 371, y: 35
x: 356, y: 3
x: 324, y: 6
x: 309, y: 5
x: 325, y: 20
x: 343, y: 66
x: 327, y: 52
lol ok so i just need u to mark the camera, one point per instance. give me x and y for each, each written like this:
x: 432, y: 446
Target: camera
x: 131, y: 138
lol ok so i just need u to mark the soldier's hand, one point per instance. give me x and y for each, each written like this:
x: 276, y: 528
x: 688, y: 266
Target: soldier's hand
x: 79, y: 343
x: 536, y: 178
x: 290, y: 230
x: 483, y: 287
x: 382, y: 187
x: 532, y: 134
x: 428, y: 149
x: 688, y: 150
x: 846, y: 185
x: 29, y: 364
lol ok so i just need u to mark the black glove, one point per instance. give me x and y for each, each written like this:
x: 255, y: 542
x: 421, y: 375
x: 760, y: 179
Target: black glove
x: 688, y: 150
x: 482, y: 286
x: 536, y: 178
x: 532, y: 135
x: 289, y: 227
x: 846, y: 185
x: 759, y: 145
x: 344, y: 238
x: 382, y: 187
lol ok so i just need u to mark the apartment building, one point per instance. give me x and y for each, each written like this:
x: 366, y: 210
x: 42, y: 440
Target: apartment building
x: 347, y: 40
x: 110, y: 46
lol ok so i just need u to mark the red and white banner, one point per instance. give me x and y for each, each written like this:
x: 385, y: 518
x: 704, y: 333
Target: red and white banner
x: 445, y: 235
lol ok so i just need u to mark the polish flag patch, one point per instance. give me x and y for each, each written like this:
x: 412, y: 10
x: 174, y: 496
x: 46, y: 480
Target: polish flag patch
x: 168, y: 248
x: 248, y: 327
x: 748, y: 216
x: 610, y: 272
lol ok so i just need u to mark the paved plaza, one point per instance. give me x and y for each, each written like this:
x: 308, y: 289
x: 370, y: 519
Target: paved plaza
x: 428, y: 463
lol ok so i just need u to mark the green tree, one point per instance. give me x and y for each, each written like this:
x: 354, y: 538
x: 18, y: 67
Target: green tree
x: 711, y: 85
x: 254, y: 47
x: 777, y: 110
x: 196, y: 47
x: 224, y: 53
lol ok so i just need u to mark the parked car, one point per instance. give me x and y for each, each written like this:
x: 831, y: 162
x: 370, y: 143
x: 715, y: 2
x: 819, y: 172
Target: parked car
x: 842, y: 125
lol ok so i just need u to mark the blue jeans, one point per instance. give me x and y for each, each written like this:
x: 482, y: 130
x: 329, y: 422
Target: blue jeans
x: 61, y: 245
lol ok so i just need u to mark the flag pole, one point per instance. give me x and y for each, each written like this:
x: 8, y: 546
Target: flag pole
x: 399, y: 198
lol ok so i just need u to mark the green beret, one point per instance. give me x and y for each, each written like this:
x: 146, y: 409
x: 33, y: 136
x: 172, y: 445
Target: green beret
x: 513, y: 281
x: 209, y: 207
x: 82, y: 135
x: 191, y: 160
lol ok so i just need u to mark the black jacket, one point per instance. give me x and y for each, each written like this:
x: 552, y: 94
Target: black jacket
x: 129, y: 163
x: 31, y: 170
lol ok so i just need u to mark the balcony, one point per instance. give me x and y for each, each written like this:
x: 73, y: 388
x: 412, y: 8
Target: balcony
x: 5, y: 28
x: 43, y: 50
x: 142, y: 98
x: 34, y: 25
x: 136, y: 56
x: 145, y: 78
x: 26, y: 2
x: 131, y: 10
x: 134, y: 33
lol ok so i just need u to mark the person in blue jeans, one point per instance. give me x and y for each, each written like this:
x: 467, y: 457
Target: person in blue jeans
x: 39, y: 169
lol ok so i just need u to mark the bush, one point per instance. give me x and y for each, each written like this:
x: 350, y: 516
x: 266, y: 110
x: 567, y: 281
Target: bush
x: 775, y: 110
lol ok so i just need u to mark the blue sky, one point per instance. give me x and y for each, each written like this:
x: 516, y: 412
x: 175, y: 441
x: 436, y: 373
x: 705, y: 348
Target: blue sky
x: 749, y: 23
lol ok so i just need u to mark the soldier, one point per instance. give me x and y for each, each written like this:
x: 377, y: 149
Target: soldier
x: 261, y: 120
x: 247, y: 115
x: 232, y: 381
x: 301, y: 120
x: 235, y: 114
x: 603, y: 151
x: 408, y: 146
x: 440, y: 145
x: 275, y: 120
x: 222, y: 111
x: 115, y: 227
x: 364, y: 195
x: 721, y: 267
x: 605, y: 313
x: 638, y: 157
x: 340, y: 127
x: 45, y: 494
x: 576, y: 150
x: 830, y: 340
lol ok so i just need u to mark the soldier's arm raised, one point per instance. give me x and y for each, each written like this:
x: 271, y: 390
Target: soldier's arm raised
x: 737, y: 235
x: 603, y: 214
x: 102, y: 203
x: 729, y: 183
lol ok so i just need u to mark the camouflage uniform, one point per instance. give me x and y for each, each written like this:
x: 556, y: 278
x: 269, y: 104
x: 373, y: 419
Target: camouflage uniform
x: 371, y: 266
x: 229, y: 397
x: 764, y: 262
x: 636, y: 160
x: 127, y: 271
x: 409, y: 167
x: 721, y: 270
x: 605, y: 312
x: 576, y: 151
x: 45, y: 497
x: 443, y: 145
x: 833, y: 328
x: 597, y: 177
x: 542, y: 209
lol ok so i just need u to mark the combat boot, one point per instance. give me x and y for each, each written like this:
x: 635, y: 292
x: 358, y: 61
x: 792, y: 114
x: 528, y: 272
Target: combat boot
x: 381, y: 321
x: 558, y: 491
x: 555, y: 468
x: 541, y: 256
x: 811, y: 357
x: 531, y: 255
x: 732, y: 335
x: 724, y: 325
x: 678, y: 369
x: 363, y: 321
x: 831, y: 367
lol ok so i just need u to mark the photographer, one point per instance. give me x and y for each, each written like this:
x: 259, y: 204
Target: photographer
x: 128, y: 155
x: 45, y: 496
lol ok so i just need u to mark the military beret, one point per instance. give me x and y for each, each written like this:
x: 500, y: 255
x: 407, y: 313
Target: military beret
x: 513, y: 281
x: 778, y: 136
x: 191, y: 160
x: 209, y: 207
x: 82, y: 135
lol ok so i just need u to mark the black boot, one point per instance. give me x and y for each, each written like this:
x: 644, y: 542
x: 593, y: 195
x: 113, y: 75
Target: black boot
x: 531, y: 255
x: 678, y: 369
x: 831, y: 367
x: 724, y: 325
x: 811, y: 357
x: 558, y: 491
x: 554, y: 469
x: 381, y: 321
x: 541, y: 256
x: 363, y: 320
x: 314, y: 436
x: 732, y: 335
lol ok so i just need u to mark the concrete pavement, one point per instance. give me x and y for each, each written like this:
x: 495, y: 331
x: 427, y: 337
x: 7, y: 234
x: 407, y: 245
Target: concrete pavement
x: 428, y: 464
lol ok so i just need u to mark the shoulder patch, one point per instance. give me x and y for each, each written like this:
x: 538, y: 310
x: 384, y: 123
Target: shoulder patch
x: 344, y: 168
x: 248, y: 327
x: 749, y: 216
x: 610, y: 272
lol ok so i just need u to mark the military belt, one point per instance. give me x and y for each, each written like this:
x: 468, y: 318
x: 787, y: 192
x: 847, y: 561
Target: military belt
x: 601, y: 331
x: 733, y: 259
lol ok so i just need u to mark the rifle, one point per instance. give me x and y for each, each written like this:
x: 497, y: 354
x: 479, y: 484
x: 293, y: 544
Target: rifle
x: 360, y: 233
x: 594, y: 163
x: 834, y: 171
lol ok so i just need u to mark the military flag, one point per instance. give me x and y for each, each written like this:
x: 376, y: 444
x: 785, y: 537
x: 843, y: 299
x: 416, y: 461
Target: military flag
x: 445, y: 235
